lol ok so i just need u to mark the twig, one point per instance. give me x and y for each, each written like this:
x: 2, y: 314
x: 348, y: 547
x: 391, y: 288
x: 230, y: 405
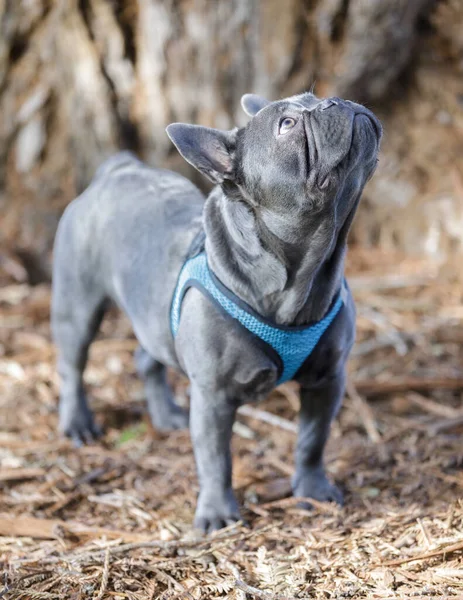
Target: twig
x: 445, y: 550
x: 105, y: 576
x: 370, y: 387
x: 236, y: 574
x: 382, y: 340
x: 243, y: 431
x: 31, y: 595
x: 165, y: 577
x: 151, y: 589
x: 388, y: 330
x: 323, y: 507
x: 249, y: 589
x: 170, y: 563
x: 446, y: 424
x: 48, y: 528
x: 424, y: 532
x: 60, y: 504
x: 266, y: 417
x: 442, y: 410
x: 196, y: 543
x: 51, y: 583
x: 6, y: 587
x: 365, y: 413
x: 285, y: 468
x: 7, y: 475
x: 388, y: 282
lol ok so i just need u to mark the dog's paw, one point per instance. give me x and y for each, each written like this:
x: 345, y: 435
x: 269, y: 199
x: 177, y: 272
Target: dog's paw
x: 313, y: 483
x: 79, y: 426
x: 213, y: 513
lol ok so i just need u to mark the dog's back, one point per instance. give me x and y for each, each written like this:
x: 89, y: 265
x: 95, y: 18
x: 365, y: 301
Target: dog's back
x: 128, y: 210
x: 124, y: 239
x: 118, y: 161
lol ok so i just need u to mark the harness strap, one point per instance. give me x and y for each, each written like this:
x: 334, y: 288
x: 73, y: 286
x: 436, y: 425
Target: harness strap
x: 288, y: 347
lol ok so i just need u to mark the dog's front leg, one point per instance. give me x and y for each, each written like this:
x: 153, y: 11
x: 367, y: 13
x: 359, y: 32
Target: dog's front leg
x: 211, y: 420
x: 319, y: 405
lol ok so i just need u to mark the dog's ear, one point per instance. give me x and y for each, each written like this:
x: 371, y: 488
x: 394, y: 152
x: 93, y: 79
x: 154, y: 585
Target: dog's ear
x: 252, y: 104
x: 208, y: 150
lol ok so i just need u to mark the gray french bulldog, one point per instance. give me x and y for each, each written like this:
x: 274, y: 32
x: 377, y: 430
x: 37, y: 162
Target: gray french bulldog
x: 273, y: 236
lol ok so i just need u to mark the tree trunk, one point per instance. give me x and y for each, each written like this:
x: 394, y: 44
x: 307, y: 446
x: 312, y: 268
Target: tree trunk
x: 81, y: 78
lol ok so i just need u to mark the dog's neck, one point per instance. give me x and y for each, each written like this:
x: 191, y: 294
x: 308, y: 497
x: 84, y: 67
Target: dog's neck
x: 286, y: 272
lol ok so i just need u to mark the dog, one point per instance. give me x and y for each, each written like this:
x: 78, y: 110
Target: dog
x: 240, y: 291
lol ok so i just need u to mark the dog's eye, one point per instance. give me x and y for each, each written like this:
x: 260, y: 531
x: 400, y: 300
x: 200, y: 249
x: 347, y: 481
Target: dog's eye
x: 285, y: 125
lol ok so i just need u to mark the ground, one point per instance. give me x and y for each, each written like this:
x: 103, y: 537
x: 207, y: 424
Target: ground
x: 113, y: 520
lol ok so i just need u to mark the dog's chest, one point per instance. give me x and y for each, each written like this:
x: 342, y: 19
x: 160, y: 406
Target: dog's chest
x: 219, y: 351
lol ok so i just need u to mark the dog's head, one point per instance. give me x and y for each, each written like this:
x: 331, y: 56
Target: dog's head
x: 295, y: 156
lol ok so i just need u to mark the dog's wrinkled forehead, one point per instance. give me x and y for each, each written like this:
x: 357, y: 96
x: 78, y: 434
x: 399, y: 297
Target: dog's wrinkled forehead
x: 253, y: 104
x: 265, y: 115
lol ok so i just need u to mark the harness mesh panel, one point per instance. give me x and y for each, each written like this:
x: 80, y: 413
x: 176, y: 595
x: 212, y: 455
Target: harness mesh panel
x: 293, y: 344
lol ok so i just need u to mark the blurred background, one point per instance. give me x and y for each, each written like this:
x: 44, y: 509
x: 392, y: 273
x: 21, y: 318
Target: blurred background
x: 80, y: 79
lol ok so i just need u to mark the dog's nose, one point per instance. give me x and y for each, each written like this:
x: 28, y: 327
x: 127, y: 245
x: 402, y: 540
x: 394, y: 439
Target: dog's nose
x: 358, y: 109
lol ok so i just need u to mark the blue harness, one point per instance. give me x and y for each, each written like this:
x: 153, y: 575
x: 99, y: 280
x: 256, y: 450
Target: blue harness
x: 289, y: 347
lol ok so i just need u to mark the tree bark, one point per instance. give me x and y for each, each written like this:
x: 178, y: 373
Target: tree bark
x: 80, y: 79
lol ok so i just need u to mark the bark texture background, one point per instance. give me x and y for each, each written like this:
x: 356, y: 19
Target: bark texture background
x: 81, y: 78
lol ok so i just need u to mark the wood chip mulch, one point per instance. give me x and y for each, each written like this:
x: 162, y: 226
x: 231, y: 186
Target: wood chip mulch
x: 113, y: 520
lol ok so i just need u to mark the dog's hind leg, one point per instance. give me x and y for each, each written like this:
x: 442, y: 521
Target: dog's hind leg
x: 165, y: 414
x: 76, y: 316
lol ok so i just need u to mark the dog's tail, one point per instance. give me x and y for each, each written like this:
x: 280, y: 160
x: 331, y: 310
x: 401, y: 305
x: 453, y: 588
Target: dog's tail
x: 120, y: 160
